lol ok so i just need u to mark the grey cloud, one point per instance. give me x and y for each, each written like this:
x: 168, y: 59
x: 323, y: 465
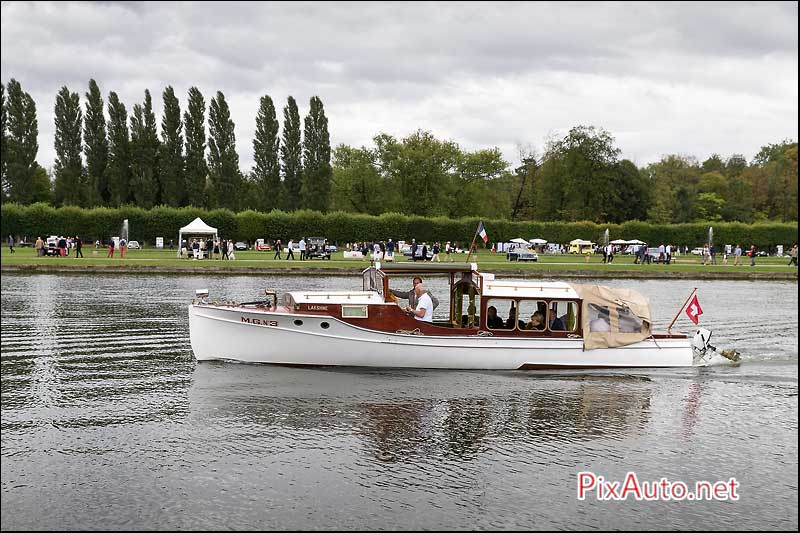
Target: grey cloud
x: 399, y: 66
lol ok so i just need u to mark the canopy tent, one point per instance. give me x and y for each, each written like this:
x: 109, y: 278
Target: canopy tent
x: 619, y: 241
x: 635, y: 241
x: 195, y: 227
x: 537, y: 241
x: 519, y: 241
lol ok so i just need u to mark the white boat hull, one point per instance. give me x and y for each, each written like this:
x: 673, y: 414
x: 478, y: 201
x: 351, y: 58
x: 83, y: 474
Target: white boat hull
x: 257, y: 336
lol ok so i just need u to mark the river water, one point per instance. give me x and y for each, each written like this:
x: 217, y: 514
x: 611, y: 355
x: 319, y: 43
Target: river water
x: 109, y: 423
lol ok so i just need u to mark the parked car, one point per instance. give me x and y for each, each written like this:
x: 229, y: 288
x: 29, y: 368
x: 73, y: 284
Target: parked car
x: 240, y: 246
x: 697, y: 251
x: 418, y: 255
x: 317, y: 247
x: 262, y: 245
x: 332, y: 248
x: 522, y: 254
x: 134, y: 245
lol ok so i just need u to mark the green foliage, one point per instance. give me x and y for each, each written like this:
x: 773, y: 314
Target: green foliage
x: 223, y: 161
x: 266, y: 144
x: 316, y: 182
x: 144, y: 154
x: 22, y: 145
x: 291, y: 153
x: 69, y: 187
x: 170, y: 157
x: 95, y: 147
x: 341, y: 227
x: 118, y: 169
x: 194, y: 120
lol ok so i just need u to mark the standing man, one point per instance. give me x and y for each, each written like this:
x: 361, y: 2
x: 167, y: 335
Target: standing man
x: 289, y: 247
x: 713, y: 251
x: 668, y: 251
x: 39, y: 246
x: 448, y: 249
x: 752, y: 255
x: 436, y: 253
x: 413, y: 249
x: 11, y: 243
x: 78, y: 247
x: 110, y: 249
x: 737, y: 255
x: 424, y: 309
x: 793, y: 256
x: 278, y: 245
x: 390, y: 250
x: 302, y: 245
x: 123, y: 246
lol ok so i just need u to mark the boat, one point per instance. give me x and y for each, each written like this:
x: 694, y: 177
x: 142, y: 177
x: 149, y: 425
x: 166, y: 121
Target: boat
x: 588, y: 326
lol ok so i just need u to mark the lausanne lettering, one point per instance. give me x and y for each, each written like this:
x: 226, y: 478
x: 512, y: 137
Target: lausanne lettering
x: 317, y: 307
x: 259, y: 322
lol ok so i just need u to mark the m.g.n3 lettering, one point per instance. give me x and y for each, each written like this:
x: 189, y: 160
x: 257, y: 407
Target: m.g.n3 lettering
x: 259, y: 322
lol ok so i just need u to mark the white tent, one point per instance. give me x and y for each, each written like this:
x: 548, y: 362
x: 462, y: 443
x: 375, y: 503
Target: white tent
x: 537, y: 241
x: 619, y: 241
x: 519, y: 241
x: 195, y: 228
x: 634, y: 241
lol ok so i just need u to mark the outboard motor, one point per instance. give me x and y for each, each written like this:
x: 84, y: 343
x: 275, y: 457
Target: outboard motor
x: 701, y: 343
x: 701, y: 340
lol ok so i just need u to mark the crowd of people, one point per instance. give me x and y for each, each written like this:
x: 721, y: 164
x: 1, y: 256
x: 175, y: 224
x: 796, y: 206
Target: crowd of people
x: 220, y: 249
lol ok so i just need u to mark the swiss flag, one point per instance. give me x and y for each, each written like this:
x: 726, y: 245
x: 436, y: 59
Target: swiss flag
x: 693, y: 310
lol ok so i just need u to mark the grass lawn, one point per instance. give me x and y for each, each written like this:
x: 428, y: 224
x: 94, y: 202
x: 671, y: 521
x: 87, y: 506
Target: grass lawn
x: 487, y: 260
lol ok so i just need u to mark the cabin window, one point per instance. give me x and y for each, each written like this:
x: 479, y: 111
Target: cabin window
x: 628, y: 322
x: 502, y: 314
x: 563, y: 316
x: 599, y: 318
x: 533, y: 314
x: 354, y: 311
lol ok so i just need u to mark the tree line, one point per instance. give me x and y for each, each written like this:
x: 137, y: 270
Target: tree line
x: 579, y: 176
x: 122, y: 159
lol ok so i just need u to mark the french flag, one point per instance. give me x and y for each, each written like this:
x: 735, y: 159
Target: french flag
x: 482, y: 232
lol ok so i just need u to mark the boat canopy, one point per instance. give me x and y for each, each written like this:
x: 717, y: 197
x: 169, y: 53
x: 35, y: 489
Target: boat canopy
x: 612, y: 317
x: 412, y: 267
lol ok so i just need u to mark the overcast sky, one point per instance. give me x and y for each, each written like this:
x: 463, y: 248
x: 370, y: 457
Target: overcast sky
x: 663, y: 78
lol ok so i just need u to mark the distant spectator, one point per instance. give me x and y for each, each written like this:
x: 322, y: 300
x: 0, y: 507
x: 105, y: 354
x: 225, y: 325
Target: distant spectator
x: 39, y: 246
x: 11, y: 243
x: 78, y: 247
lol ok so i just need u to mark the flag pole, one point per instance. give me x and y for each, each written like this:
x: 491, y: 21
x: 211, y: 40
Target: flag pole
x: 471, y: 246
x: 669, y: 329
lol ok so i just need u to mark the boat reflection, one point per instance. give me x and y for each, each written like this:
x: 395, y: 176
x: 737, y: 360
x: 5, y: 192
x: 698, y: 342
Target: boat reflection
x: 396, y: 415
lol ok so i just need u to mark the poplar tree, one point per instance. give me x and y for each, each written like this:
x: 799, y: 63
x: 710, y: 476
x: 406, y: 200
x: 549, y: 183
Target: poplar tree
x: 3, y: 180
x: 171, y: 154
x: 316, y: 189
x: 25, y: 184
x: 144, y: 154
x: 68, y: 187
x: 223, y: 161
x: 118, y: 169
x: 194, y: 120
x: 291, y: 153
x: 95, y: 147
x: 267, y: 170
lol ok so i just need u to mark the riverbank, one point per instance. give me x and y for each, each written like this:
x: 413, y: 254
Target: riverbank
x: 262, y: 263
x: 304, y: 270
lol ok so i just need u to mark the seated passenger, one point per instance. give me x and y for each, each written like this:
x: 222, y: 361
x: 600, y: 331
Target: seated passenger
x: 536, y: 322
x: 512, y: 321
x: 492, y: 320
x: 556, y: 324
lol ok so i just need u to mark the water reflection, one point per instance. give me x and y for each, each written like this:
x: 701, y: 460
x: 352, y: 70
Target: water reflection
x: 399, y: 418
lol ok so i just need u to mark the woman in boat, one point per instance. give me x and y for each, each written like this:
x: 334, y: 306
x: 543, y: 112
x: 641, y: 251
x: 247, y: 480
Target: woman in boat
x: 536, y: 322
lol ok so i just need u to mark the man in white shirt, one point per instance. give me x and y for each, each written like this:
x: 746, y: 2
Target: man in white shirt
x: 302, y: 245
x: 424, y: 310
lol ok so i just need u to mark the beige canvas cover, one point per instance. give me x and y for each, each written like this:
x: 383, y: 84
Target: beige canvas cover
x: 612, y: 317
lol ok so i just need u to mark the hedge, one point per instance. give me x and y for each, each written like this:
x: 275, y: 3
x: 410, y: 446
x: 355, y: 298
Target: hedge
x: 339, y: 227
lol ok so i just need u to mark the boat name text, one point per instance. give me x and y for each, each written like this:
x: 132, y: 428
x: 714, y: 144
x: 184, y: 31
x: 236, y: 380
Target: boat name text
x: 259, y: 322
x: 317, y: 307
